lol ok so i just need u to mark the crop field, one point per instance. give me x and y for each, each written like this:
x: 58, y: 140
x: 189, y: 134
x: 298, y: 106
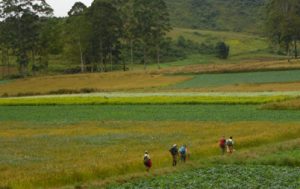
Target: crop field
x: 97, y: 140
x: 127, y: 100
x: 54, y: 154
x: 228, y: 66
x: 230, y: 176
x: 293, y: 104
x: 77, y: 113
x: 86, y: 83
x: 164, y: 81
x: 217, y: 80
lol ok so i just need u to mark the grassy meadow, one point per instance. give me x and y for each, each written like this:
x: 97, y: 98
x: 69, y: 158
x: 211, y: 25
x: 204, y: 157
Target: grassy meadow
x: 240, y: 43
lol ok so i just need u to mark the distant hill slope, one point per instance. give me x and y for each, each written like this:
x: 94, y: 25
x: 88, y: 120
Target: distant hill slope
x: 229, y: 15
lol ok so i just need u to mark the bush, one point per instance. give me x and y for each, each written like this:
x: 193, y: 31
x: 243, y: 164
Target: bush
x: 222, y: 50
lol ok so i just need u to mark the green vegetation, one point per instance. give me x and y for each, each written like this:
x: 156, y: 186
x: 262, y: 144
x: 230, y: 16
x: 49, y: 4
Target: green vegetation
x: 229, y: 176
x: 230, y: 15
x: 98, y: 139
x: 215, y: 80
x: 156, y: 99
x: 285, y: 105
x: 222, y: 50
x: 282, y: 26
x: 73, y: 113
x: 57, y: 154
x: 240, y: 43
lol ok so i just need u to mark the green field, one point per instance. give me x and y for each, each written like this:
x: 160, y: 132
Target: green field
x: 98, y: 140
x: 230, y: 176
x: 216, y: 80
x: 73, y: 113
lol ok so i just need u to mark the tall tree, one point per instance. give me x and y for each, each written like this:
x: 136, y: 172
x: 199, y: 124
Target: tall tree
x: 283, y: 23
x: 106, y: 32
x: 78, y: 30
x: 24, y: 17
x: 152, y: 24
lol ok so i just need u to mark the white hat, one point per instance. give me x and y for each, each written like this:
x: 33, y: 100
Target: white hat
x: 174, y: 145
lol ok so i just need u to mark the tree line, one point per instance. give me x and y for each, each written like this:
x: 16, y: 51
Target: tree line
x: 114, y: 34
x: 106, y: 33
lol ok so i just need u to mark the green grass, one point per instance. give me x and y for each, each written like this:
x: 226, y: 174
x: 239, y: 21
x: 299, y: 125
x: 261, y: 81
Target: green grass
x: 5, y: 81
x: 77, y: 113
x: 216, y: 80
x: 218, y: 177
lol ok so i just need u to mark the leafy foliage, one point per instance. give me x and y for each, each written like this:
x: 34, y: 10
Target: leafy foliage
x: 229, y: 15
x: 222, y: 50
x: 230, y: 176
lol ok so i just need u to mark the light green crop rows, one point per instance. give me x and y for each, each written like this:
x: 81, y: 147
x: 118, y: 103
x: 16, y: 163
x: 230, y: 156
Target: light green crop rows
x: 91, y: 100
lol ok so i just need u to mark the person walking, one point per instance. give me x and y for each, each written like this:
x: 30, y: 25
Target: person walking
x: 183, y: 153
x: 230, y: 144
x: 174, y: 153
x: 147, y: 161
x: 222, y: 145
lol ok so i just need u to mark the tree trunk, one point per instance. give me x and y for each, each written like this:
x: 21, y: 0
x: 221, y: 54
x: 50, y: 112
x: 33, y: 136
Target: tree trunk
x: 7, y: 61
x: 33, y: 61
x: 101, y: 57
x: 158, y: 56
x: 145, y: 58
x: 131, y: 53
x: 296, y: 49
x: 288, y: 51
x: 81, y: 56
x: 124, y: 65
x: 111, y: 60
x: 2, y: 62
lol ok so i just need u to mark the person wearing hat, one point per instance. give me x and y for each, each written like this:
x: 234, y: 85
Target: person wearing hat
x: 175, y: 154
x: 147, y: 161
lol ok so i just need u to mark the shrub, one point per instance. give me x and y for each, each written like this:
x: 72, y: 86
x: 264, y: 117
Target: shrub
x: 222, y: 50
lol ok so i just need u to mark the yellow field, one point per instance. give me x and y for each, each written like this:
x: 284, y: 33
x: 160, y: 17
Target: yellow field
x: 95, y: 82
x: 56, y: 155
x: 257, y: 87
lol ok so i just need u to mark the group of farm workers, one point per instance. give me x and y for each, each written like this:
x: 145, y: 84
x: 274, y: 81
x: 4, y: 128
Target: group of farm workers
x: 226, y: 145
x: 176, y: 153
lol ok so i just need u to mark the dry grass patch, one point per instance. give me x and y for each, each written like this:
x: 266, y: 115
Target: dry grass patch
x: 233, y: 67
x: 293, y: 104
x: 93, y: 82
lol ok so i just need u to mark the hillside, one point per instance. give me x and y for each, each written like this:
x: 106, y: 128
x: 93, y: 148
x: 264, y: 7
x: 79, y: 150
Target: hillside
x: 229, y: 15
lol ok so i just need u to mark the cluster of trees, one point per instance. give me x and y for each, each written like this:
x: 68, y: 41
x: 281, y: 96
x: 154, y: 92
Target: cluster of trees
x: 109, y: 32
x: 22, y: 31
x: 283, y: 25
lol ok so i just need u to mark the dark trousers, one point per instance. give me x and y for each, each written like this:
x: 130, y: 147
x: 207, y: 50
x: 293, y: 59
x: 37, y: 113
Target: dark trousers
x: 174, y: 160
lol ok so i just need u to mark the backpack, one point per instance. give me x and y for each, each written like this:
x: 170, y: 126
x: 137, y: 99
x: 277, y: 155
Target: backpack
x: 182, y: 150
x: 173, y: 151
x: 146, y: 159
x: 229, y: 143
